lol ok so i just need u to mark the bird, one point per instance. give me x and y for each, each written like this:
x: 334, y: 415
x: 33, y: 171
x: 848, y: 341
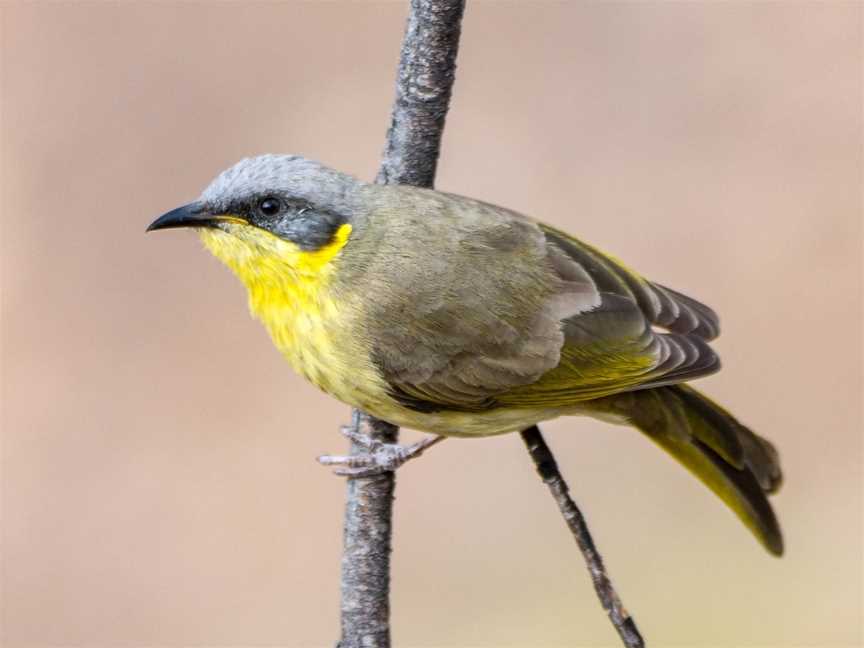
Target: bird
x: 460, y: 318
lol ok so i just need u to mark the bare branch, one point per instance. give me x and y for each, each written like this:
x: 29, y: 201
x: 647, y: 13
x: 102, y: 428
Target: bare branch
x: 424, y: 84
x: 547, y: 467
x: 426, y: 71
x: 366, y: 553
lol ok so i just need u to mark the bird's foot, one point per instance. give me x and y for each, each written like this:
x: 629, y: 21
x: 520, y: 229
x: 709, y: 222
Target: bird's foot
x: 379, y: 457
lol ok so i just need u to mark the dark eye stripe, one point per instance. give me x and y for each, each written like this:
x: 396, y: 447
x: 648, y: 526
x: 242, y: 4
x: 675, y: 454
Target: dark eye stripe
x: 289, y: 218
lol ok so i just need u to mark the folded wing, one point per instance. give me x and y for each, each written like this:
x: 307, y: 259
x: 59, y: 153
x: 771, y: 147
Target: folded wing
x: 528, y: 316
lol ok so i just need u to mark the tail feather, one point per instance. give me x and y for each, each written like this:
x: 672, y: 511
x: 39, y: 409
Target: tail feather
x: 740, y: 467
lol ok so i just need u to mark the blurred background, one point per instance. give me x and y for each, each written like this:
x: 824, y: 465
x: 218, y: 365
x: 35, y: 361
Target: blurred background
x: 159, y: 480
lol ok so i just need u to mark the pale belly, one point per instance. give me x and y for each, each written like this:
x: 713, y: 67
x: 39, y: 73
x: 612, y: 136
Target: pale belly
x: 338, y: 364
x: 344, y: 372
x: 469, y: 424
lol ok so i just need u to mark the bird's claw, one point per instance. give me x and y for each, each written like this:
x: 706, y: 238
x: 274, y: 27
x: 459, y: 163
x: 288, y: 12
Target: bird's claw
x: 379, y: 457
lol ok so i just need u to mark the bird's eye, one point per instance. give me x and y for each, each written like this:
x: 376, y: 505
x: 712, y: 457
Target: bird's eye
x: 269, y: 206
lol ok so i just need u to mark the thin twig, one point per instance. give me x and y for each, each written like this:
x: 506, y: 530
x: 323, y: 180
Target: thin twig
x: 547, y: 467
x: 426, y: 70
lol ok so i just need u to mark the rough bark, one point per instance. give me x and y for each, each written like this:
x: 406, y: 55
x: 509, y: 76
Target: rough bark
x: 423, y: 86
x: 367, y: 546
x: 427, y: 67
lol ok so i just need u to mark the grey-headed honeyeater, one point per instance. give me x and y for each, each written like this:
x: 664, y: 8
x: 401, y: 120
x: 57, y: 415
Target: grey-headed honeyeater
x: 460, y: 318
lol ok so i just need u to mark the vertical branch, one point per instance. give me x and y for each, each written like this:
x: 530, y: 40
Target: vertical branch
x: 426, y: 71
x: 366, y: 552
x: 424, y: 84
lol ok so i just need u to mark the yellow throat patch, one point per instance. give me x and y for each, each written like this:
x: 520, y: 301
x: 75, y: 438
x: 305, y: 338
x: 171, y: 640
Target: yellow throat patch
x: 288, y: 289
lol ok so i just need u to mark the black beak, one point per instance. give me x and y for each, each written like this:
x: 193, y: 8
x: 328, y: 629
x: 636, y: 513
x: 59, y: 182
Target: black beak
x: 191, y: 215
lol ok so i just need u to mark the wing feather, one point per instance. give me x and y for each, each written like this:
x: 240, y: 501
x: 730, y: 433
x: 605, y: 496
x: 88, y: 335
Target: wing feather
x: 521, y: 314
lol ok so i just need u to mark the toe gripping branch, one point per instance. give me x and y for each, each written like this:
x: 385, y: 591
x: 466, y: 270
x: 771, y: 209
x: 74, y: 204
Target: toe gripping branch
x: 379, y: 457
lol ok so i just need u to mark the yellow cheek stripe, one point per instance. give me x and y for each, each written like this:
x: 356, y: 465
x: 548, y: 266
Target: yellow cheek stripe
x: 251, y: 251
x: 287, y: 290
x: 315, y: 260
x: 231, y: 218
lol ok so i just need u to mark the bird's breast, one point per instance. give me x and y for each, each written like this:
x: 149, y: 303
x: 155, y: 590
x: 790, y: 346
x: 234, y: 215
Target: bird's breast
x: 291, y: 291
x: 302, y: 318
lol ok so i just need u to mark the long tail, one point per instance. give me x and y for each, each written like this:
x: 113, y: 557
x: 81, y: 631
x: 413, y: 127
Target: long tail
x: 740, y: 467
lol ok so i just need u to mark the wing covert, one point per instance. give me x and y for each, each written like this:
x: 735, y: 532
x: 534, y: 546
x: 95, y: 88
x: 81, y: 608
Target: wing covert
x: 522, y: 315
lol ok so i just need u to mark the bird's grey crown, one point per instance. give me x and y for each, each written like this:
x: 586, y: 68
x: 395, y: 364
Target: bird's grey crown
x: 288, y: 176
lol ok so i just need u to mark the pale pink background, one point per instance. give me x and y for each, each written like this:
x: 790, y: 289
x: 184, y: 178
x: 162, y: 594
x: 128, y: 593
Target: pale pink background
x: 159, y: 482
